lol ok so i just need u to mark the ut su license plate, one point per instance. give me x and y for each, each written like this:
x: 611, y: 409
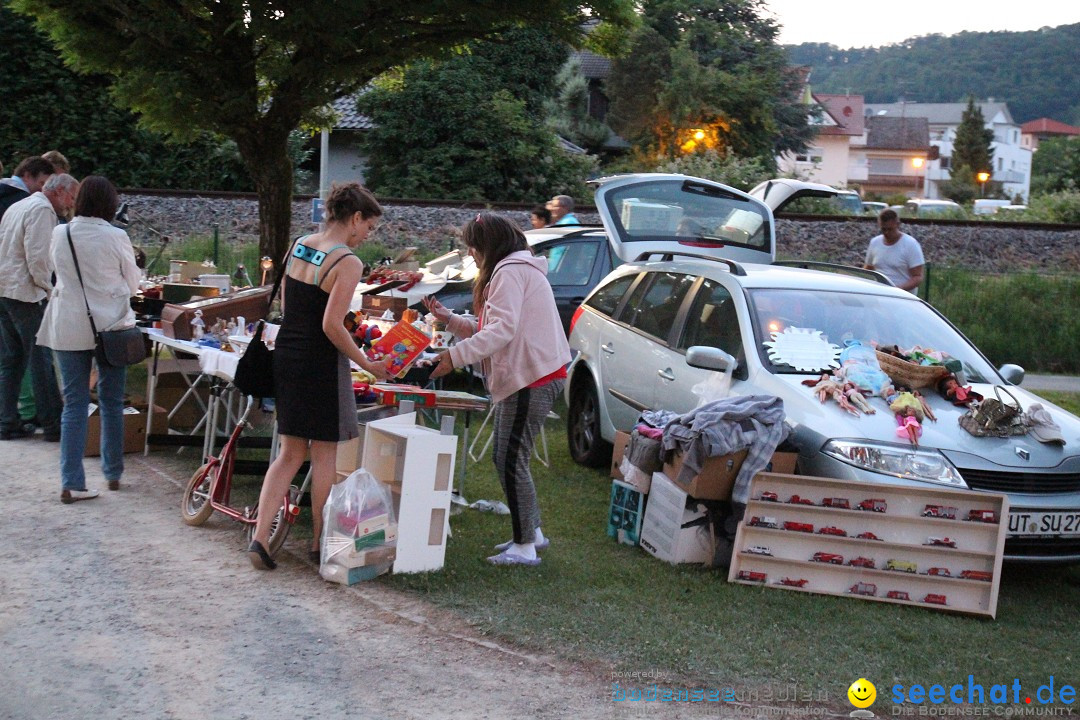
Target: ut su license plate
x: 1038, y: 522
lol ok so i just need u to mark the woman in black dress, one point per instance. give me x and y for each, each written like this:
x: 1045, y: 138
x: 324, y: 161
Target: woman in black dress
x: 315, y: 404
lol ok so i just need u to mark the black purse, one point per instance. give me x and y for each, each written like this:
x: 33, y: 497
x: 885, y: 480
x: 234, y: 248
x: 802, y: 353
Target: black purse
x: 255, y: 369
x: 114, y: 348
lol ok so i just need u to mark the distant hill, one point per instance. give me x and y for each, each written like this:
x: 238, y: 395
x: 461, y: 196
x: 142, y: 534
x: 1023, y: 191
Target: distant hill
x: 1034, y: 72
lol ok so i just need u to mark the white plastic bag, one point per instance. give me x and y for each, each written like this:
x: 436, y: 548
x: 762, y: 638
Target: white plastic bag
x: 717, y: 385
x: 359, y: 534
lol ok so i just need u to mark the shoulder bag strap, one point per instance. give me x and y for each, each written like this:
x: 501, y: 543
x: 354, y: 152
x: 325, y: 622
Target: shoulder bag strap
x: 78, y: 272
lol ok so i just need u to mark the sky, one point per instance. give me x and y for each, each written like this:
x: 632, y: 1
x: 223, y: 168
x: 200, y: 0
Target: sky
x: 849, y: 25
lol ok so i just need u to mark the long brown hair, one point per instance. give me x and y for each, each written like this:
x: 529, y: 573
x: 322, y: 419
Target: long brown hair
x: 493, y: 238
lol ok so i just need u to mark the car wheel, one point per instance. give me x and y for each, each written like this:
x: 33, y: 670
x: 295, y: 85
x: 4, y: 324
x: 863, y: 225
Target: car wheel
x: 587, y: 446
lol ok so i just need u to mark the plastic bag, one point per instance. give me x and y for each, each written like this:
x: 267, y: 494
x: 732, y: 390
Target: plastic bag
x: 717, y: 385
x: 359, y: 534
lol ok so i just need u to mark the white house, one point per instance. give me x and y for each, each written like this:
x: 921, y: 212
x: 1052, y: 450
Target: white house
x: 828, y: 158
x: 1012, y: 161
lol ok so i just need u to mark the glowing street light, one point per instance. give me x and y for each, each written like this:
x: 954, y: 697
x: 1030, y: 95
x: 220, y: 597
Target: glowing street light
x: 920, y: 184
x: 982, y: 177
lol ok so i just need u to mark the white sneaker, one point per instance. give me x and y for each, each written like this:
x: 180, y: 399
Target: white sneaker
x: 70, y: 496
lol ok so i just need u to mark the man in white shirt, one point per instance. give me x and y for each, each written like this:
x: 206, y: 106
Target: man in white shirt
x: 894, y: 254
x: 25, y: 283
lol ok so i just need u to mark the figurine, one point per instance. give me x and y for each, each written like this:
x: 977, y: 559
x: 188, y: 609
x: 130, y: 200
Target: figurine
x: 873, y: 505
x: 901, y: 566
x: 828, y: 387
x: 939, y: 511
x: 198, y: 326
x: 862, y: 562
x: 909, y: 413
x: 751, y: 576
x: 824, y: 557
x: 960, y: 396
x: 856, y: 398
x: 832, y: 531
x: 863, y: 588
x: 794, y: 582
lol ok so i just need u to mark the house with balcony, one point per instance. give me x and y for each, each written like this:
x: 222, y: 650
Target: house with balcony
x: 1012, y: 161
x: 892, y: 156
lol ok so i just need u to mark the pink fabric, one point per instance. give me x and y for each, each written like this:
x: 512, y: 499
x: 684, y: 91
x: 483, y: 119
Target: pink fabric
x: 522, y: 338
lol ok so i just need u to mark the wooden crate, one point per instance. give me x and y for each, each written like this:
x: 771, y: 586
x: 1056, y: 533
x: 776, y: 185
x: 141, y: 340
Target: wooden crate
x: 904, y: 531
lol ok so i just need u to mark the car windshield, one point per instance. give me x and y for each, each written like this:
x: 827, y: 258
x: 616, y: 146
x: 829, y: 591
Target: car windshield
x: 844, y: 316
x: 687, y: 211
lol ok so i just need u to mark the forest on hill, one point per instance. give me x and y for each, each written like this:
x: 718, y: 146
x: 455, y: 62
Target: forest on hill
x: 1034, y: 72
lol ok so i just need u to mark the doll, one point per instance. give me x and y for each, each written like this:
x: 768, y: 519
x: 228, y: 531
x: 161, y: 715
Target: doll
x: 960, y: 396
x: 198, y: 326
x: 829, y: 387
x: 909, y: 415
x: 856, y: 398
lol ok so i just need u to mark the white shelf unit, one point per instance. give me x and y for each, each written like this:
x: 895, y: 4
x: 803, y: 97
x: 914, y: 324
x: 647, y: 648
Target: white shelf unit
x: 418, y: 465
x: 903, y: 532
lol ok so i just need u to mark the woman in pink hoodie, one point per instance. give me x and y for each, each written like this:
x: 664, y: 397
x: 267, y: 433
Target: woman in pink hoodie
x: 518, y: 339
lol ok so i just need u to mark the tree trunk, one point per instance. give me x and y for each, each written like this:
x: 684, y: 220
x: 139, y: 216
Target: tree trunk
x: 267, y: 159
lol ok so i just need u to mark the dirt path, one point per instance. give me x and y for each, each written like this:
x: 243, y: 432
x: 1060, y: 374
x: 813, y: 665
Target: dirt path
x: 112, y: 608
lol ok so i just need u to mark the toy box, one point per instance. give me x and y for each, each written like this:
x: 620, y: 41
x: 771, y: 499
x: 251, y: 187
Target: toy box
x: 626, y: 513
x: 393, y: 394
x: 668, y: 531
x: 621, y: 439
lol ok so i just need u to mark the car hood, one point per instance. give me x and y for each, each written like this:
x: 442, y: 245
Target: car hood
x: 829, y: 421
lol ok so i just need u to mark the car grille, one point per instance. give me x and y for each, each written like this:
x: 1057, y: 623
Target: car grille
x: 1021, y: 482
x: 1042, y: 547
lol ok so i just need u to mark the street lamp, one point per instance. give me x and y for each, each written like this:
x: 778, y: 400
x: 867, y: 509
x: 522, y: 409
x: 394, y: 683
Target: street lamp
x: 917, y: 163
x: 982, y: 178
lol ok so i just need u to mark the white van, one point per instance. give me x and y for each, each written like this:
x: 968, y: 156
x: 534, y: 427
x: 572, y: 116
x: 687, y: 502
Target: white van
x: 988, y: 206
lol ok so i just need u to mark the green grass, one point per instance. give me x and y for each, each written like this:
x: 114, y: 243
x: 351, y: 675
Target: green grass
x: 1024, y: 318
x: 616, y: 607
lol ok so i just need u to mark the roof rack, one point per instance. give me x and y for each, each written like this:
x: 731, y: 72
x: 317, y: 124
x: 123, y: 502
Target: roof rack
x: 667, y: 255
x: 848, y: 269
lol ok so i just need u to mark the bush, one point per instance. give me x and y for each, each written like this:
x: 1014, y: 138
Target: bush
x: 738, y: 172
x: 1059, y: 207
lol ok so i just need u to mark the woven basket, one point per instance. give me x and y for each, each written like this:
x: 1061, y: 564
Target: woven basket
x: 910, y: 374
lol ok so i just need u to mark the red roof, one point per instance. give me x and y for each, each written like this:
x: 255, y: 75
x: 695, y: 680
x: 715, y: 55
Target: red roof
x: 1046, y: 126
x: 846, y: 110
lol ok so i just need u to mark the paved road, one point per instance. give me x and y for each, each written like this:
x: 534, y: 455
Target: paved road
x: 112, y: 608
x: 1061, y: 383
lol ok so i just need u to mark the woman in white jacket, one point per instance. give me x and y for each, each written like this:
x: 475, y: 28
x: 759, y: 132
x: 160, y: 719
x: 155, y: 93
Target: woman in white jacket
x: 110, y: 277
x: 519, y: 339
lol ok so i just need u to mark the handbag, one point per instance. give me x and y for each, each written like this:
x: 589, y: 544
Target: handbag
x: 254, y: 373
x: 114, y: 348
x: 995, y: 417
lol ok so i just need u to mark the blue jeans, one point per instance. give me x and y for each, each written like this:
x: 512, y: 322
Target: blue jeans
x: 19, y: 323
x: 75, y: 371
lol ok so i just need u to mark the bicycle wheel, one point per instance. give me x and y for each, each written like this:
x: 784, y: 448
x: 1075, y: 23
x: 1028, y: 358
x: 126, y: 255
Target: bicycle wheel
x: 195, y: 507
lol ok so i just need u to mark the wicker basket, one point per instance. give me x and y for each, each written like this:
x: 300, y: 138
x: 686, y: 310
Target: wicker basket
x: 910, y: 374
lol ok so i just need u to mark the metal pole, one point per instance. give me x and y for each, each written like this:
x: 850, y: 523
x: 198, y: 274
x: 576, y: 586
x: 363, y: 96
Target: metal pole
x: 216, y: 239
x: 324, y: 161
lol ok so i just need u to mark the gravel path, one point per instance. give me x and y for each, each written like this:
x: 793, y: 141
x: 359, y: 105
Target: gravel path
x: 112, y: 608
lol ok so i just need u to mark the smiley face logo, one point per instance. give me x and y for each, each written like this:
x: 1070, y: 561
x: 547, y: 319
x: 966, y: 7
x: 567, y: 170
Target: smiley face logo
x: 862, y: 693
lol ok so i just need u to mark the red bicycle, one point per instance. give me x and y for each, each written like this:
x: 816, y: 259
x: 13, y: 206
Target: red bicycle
x: 210, y: 489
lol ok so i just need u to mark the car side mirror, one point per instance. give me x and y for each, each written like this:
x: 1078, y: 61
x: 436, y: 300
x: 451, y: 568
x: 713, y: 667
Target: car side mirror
x: 1013, y: 374
x: 710, y: 358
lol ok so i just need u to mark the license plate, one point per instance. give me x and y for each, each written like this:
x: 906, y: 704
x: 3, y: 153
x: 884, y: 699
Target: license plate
x: 1034, y: 522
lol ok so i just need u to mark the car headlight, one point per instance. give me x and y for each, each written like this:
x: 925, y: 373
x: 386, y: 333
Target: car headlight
x: 903, y: 462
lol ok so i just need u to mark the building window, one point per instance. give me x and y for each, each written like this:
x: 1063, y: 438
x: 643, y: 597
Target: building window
x: 945, y: 162
x: 812, y: 155
x: 886, y: 166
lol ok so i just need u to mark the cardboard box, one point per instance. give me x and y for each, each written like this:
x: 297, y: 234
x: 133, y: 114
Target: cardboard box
x: 350, y: 576
x: 134, y: 429
x: 393, y: 394
x: 621, y: 439
x: 376, y: 305
x: 170, y: 388
x: 717, y: 477
x: 662, y: 533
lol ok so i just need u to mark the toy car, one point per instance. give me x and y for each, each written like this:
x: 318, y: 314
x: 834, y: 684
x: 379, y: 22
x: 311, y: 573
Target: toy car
x: 758, y: 550
x: 863, y: 589
x: 939, y: 511
x: 751, y: 576
x: 873, y: 505
x: 862, y: 562
x: 901, y: 566
x: 977, y: 575
x: 824, y: 557
x: 836, y: 503
x: 792, y: 582
x: 939, y: 571
x: 940, y: 542
x: 832, y: 531
x: 799, y: 527
x: 934, y: 599
x: 986, y: 516
x: 766, y: 522
x: 769, y: 497
x: 868, y: 536
x: 898, y: 595
x: 796, y: 500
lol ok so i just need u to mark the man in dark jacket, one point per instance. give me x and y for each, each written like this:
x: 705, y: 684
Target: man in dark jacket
x: 29, y: 177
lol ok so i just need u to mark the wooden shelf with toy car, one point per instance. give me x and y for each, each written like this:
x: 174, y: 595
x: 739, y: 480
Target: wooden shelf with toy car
x: 922, y: 546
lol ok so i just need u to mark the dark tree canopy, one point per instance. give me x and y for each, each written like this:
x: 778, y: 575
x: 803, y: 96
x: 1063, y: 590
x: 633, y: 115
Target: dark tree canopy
x: 254, y: 70
x: 711, y: 66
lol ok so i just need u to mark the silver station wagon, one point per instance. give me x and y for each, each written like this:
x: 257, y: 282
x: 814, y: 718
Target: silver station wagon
x: 699, y: 287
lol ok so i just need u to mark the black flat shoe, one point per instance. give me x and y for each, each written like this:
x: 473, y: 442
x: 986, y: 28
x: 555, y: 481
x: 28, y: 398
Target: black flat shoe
x: 314, y: 556
x: 260, y: 559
